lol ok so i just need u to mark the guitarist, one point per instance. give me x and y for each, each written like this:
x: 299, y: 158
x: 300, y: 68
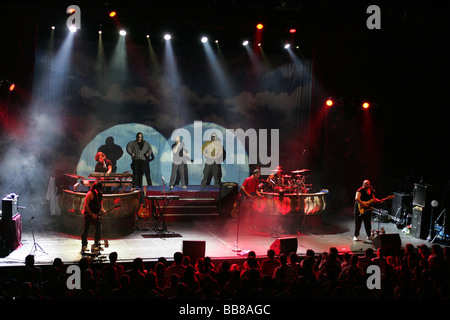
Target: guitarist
x: 363, y: 195
x: 92, y: 209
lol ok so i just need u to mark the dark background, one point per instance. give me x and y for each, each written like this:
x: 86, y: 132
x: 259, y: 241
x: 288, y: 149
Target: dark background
x: 402, y: 69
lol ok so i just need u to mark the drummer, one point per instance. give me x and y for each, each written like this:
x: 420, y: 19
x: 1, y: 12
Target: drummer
x: 276, y: 179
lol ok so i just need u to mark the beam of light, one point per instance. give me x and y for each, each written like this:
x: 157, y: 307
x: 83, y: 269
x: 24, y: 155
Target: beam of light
x: 174, y: 99
x: 204, y: 39
x: 153, y: 58
x: 167, y: 36
x: 122, y: 33
x: 218, y: 71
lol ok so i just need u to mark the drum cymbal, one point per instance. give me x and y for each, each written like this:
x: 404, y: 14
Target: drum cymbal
x: 300, y: 171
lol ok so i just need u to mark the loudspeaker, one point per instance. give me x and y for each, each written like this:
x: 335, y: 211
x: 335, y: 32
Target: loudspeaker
x: 194, y: 249
x: 228, y: 195
x: 9, y: 206
x: 420, y: 222
x: 284, y: 245
x: 391, y: 242
x: 401, y: 202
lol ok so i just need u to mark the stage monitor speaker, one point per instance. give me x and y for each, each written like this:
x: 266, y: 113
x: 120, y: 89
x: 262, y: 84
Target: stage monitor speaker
x: 284, y: 245
x: 194, y: 249
x: 420, y: 222
x: 390, y: 242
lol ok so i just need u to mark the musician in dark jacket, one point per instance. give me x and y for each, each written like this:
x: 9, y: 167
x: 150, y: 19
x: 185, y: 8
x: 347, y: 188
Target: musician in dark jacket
x: 92, y: 209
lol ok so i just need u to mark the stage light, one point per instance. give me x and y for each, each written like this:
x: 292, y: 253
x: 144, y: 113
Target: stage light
x: 259, y: 44
x: 122, y: 33
x: 245, y: 43
x: 292, y: 30
x: 167, y: 37
x: 287, y: 46
x: 217, y: 41
x: 112, y: 14
x: 53, y: 27
x: 366, y: 105
x: 99, y: 31
x: 259, y: 26
x: 329, y: 102
x: 204, y: 39
x: 73, y: 29
x: 7, y: 84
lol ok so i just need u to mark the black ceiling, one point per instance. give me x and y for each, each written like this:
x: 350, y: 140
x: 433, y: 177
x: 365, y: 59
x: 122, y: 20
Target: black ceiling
x: 233, y: 20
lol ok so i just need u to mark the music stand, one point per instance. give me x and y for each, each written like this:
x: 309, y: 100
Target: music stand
x: 36, y: 247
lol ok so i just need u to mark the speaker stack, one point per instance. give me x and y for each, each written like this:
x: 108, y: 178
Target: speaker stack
x: 422, y: 196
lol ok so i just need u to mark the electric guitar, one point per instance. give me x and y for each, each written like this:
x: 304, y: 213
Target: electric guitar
x: 95, y: 217
x: 369, y: 203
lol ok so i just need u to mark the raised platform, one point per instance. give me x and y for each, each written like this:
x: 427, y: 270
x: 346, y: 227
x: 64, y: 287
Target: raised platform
x: 194, y: 200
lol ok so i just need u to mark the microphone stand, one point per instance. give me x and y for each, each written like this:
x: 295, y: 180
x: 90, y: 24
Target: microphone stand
x: 36, y: 246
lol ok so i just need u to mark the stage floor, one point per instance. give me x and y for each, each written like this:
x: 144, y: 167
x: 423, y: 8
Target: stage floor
x: 219, y: 234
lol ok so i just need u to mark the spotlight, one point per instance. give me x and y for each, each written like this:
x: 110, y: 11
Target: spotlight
x: 204, y: 39
x: 53, y: 27
x: 292, y: 30
x: 259, y: 26
x: 366, y: 105
x: 99, y: 31
x: 287, y: 46
x: 7, y: 84
x: 73, y: 29
x: 112, y: 14
x: 147, y: 36
x: 167, y: 37
x: 329, y: 102
x: 122, y: 32
x: 245, y: 43
x: 217, y: 41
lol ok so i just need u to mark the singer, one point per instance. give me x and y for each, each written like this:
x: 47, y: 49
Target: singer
x: 103, y: 164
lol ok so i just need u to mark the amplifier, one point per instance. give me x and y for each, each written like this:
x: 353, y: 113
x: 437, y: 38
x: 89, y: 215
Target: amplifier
x: 9, y: 206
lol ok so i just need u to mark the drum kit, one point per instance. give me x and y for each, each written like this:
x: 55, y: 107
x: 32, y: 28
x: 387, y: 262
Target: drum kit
x: 286, y: 183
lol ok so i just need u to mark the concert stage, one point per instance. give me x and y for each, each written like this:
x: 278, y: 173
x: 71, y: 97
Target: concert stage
x: 218, y: 233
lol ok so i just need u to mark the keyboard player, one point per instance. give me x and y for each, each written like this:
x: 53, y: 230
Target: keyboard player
x: 103, y: 165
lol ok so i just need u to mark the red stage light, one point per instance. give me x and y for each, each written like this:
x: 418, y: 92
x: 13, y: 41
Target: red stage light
x: 329, y: 103
x: 112, y: 14
x: 259, y: 26
x: 12, y: 87
x: 292, y: 30
x: 365, y: 105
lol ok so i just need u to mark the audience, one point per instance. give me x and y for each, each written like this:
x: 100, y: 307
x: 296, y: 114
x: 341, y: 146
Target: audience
x: 415, y: 273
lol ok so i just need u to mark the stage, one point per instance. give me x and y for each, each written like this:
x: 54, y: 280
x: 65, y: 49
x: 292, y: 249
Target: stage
x: 218, y: 232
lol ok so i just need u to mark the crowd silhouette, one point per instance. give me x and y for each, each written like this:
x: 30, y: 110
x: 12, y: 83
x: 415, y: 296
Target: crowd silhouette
x: 421, y: 273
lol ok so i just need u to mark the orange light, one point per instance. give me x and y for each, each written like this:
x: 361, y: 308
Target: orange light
x: 112, y: 14
x: 365, y: 105
x: 259, y: 26
x: 71, y: 10
x: 292, y: 30
x: 329, y: 103
x: 12, y: 87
